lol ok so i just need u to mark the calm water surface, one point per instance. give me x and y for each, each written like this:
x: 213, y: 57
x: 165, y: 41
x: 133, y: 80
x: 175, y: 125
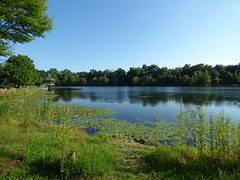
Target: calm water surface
x: 137, y: 103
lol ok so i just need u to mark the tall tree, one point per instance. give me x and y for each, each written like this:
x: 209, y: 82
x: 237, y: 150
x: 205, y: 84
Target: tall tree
x: 1, y: 74
x: 41, y: 76
x: 20, y: 70
x: 54, y: 74
x: 65, y: 77
x: 201, y: 78
x: 121, y: 76
x: 22, y: 21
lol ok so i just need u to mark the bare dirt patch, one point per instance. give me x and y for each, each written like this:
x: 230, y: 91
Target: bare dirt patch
x: 131, y: 143
x: 131, y: 155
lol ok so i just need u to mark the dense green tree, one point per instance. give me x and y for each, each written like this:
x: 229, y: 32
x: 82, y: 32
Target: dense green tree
x: 134, y: 72
x: 82, y: 74
x: 186, y: 70
x: 206, y: 81
x: 41, y: 76
x: 102, y: 81
x: 238, y: 78
x: 94, y: 82
x: 186, y: 81
x: 2, y: 78
x: 21, y: 21
x: 121, y: 76
x: 82, y: 82
x: 54, y: 74
x: 228, y: 78
x: 114, y: 81
x: 214, y: 73
x: 135, y: 80
x: 20, y: 70
x: 220, y: 69
x: 199, y: 67
x: 201, y: 78
x: 92, y: 74
x: 147, y: 81
x: 164, y: 77
x: 107, y: 73
x: 65, y: 77
x: 153, y: 70
x: 198, y: 75
x: 74, y: 80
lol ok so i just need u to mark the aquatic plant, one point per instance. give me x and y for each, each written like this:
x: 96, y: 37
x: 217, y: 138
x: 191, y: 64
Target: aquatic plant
x: 42, y: 134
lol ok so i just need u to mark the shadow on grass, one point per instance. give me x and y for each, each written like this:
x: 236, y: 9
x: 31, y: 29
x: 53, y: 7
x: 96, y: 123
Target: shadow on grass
x: 45, y: 168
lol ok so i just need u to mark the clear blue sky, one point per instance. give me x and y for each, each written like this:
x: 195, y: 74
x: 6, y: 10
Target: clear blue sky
x: 111, y: 34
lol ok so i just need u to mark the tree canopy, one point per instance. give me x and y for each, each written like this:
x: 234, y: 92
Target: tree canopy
x: 198, y: 75
x: 20, y: 70
x: 22, y: 21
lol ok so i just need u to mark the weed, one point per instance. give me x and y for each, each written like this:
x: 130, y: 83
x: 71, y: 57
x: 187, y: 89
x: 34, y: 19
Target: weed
x: 42, y: 134
x: 4, y: 111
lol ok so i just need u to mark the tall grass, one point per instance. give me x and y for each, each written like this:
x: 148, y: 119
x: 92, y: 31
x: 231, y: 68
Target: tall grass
x: 41, y: 134
x: 208, y: 132
x: 4, y: 110
x: 205, y: 145
x: 38, y: 135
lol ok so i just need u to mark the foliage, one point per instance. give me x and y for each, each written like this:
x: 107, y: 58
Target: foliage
x: 198, y: 75
x: 37, y: 133
x: 45, y: 151
x: 38, y: 137
x: 185, y: 163
x: 20, y: 70
x: 4, y: 110
x: 2, y: 79
x: 21, y: 21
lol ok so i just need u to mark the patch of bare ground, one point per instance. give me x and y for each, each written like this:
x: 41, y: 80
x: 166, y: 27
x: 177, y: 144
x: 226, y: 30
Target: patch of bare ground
x: 132, y: 143
x: 8, y: 164
x: 130, y: 160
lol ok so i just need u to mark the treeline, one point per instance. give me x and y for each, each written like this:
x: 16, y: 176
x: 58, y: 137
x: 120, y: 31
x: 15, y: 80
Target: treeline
x: 197, y: 75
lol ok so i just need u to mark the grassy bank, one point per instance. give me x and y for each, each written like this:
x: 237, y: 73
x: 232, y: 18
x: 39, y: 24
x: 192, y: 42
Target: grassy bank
x: 40, y: 139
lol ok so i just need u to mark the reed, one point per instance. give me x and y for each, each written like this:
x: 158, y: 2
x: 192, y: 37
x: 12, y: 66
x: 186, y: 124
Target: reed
x: 41, y: 135
x: 214, y: 152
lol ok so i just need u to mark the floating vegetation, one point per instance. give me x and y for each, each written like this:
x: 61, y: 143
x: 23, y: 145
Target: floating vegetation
x: 42, y: 134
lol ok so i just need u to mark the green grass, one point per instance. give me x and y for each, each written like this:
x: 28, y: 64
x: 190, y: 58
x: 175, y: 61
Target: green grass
x: 37, y: 136
x: 44, y: 150
x: 29, y: 135
x: 187, y: 163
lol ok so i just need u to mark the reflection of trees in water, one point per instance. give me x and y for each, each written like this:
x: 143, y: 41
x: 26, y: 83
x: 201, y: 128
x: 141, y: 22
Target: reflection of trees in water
x: 93, y: 96
x: 207, y: 99
x: 197, y: 99
x: 121, y: 96
x: 67, y: 94
x: 149, y: 97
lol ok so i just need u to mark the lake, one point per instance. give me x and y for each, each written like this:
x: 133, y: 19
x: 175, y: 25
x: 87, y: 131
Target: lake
x: 136, y: 104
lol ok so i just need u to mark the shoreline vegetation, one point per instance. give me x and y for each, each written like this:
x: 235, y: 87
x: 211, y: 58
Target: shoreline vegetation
x: 40, y: 139
x: 196, y: 75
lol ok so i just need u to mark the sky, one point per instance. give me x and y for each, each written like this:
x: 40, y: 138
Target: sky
x: 112, y: 34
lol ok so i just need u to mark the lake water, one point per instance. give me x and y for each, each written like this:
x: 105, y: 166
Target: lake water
x: 136, y: 104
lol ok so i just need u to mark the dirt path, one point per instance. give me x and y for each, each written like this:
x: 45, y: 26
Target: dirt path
x: 131, y: 163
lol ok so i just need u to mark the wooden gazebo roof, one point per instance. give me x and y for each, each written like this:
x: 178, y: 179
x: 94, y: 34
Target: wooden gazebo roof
x: 49, y: 78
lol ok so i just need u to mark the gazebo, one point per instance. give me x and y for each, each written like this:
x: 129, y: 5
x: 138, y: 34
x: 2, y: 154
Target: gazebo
x: 49, y: 81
